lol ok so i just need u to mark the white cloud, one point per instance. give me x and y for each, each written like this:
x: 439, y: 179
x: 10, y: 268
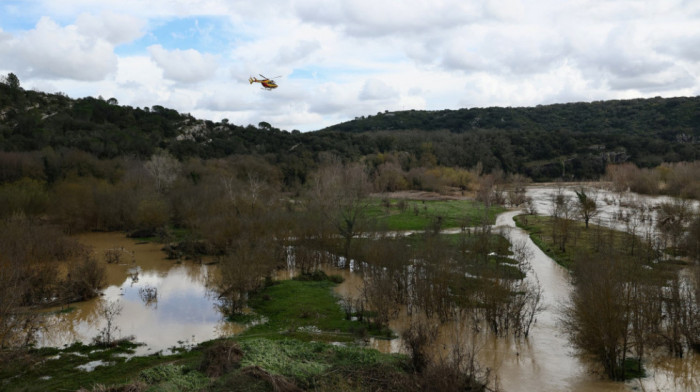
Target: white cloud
x: 375, y: 89
x: 372, y: 18
x: 114, y: 28
x: 51, y: 51
x: 300, y: 51
x: 186, y: 66
x: 345, y: 58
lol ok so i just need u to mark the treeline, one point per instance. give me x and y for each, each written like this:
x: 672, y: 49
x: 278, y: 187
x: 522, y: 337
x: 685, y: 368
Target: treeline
x: 673, y: 179
x: 570, y: 141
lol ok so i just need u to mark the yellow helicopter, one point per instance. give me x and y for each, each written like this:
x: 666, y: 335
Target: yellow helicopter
x: 267, y: 83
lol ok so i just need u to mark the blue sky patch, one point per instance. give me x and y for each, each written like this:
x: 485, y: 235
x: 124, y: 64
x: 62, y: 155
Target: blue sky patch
x: 16, y: 16
x: 206, y: 34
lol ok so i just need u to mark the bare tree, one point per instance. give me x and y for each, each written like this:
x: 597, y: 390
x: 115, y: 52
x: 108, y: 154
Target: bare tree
x: 561, y: 211
x: 164, y: 169
x: 338, y: 195
x: 672, y: 219
x: 109, y: 310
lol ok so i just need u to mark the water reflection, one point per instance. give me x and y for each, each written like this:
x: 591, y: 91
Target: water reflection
x: 181, y: 313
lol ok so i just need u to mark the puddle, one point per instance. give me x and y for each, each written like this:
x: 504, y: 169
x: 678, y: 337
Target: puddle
x: 90, y: 366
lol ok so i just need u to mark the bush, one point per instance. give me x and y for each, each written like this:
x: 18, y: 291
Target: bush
x: 221, y: 358
x: 85, y: 279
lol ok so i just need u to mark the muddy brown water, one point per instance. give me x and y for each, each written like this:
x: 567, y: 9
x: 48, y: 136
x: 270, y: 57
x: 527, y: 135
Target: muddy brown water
x: 545, y: 361
x: 185, y: 313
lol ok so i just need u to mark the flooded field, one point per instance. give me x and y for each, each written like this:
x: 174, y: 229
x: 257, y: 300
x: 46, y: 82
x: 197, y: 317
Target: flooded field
x: 183, y: 313
x: 180, y: 313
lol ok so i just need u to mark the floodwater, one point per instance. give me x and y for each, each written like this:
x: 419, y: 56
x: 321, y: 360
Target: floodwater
x: 181, y: 314
x: 545, y: 361
x: 614, y: 208
x: 184, y: 313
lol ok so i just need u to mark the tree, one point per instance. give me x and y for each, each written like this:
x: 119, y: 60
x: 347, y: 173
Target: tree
x: 13, y: 81
x: 109, y: 310
x: 586, y: 206
x: 338, y: 197
x: 561, y: 214
x: 672, y: 219
x: 164, y: 168
x: 598, y: 318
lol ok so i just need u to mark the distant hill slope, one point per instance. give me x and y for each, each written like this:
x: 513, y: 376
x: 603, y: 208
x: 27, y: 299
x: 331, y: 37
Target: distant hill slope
x: 658, y: 116
x: 546, y: 142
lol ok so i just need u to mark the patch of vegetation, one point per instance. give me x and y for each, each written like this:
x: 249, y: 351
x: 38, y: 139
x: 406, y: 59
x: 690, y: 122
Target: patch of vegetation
x: 171, y: 377
x: 402, y: 215
x: 583, y: 241
x: 303, y: 309
x: 308, y: 361
x: 537, y: 227
x: 319, y: 275
x: 497, y: 243
x: 634, y: 369
x: 51, y: 369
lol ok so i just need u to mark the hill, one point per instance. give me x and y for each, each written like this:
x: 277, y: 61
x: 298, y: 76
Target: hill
x: 575, y: 141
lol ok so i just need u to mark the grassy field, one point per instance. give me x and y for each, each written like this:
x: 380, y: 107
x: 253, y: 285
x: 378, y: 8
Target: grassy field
x: 305, y: 310
x: 582, y: 240
x: 400, y: 214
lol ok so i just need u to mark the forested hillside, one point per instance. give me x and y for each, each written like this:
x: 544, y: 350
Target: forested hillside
x: 571, y: 141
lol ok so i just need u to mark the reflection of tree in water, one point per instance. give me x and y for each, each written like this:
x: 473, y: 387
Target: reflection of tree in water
x: 671, y: 374
x: 149, y: 296
x: 196, y: 273
x: 109, y: 311
x: 68, y: 325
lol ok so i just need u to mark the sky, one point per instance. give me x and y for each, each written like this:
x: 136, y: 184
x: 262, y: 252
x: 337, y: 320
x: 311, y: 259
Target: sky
x: 335, y: 60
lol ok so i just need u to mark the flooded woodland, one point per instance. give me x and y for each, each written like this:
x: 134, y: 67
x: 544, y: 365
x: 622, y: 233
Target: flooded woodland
x: 452, y: 285
x: 185, y: 312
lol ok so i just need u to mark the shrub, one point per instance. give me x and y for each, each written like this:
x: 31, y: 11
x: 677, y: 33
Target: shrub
x: 221, y: 358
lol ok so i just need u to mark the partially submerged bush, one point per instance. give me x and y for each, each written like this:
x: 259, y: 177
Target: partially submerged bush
x: 221, y: 358
x: 84, y: 279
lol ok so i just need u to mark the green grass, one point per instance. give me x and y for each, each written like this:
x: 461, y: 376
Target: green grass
x: 497, y: 243
x: 307, y: 361
x: 582, y: 240
x: 40, y: 370
x: 418, y: 215
x: 306, y: 310
x: 539, y: 228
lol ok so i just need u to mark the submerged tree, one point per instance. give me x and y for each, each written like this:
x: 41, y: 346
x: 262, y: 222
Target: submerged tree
x: 586, y: 206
